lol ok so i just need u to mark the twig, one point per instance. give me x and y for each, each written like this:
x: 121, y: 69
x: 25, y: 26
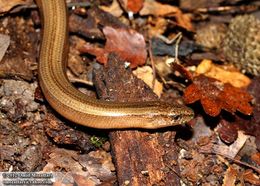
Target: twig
x: 169, y: 41
x: 173, y: 170
x: 177, y: 38
x: 77, y: 80
x: 229, y: 9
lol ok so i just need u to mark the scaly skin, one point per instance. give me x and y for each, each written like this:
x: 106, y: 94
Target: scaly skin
x: 76, y: 106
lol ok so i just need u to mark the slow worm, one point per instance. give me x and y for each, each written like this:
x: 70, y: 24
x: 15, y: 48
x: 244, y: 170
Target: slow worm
x: 76, y: 106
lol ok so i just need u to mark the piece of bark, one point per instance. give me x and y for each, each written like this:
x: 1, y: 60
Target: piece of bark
x: 20, y: 57
x: 64, y: 135
x: 141, y: 157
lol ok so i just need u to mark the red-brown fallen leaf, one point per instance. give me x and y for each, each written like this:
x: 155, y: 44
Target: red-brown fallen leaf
x: 135, y: 5
x: 237, y: 99
x: 181, y: 69
x: 100, y: 53
x: 215, y: 95
x: 227, y: 129
x: 250, y: 177
x: 227, y: 132
x: 256, y: 158
x: 128, y: 44
x: 132, y: 5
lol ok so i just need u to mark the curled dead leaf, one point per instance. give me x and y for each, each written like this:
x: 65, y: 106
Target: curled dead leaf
x: 223, y: 74
x: 215, y: 95
x: 146, y: 74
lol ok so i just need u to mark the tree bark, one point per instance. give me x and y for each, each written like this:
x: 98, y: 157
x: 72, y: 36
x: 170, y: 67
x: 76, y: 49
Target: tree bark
x: 141, y: 157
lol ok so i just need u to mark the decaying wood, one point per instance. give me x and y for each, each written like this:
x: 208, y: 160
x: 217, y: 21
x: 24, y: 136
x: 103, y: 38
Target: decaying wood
x: 141, y: 157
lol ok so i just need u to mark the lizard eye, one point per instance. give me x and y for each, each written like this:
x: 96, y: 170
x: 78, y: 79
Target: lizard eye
x: 176, y: 117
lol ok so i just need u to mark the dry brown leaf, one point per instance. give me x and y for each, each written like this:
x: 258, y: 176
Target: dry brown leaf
x: 80, y: 168
x: 145, y: 73
x: 105, y: 159
x: 83, y: 180
x: 184, y: 20
x: 156, y: 26
x: 6, y: 5
x: 155, y: 8
x: 114, y: 9
x: 63, y: 159
x: 128, y: 44
x: 4, y: 44
x: 227, y: 151
x: 230, y: 177
x: 222, y: 74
